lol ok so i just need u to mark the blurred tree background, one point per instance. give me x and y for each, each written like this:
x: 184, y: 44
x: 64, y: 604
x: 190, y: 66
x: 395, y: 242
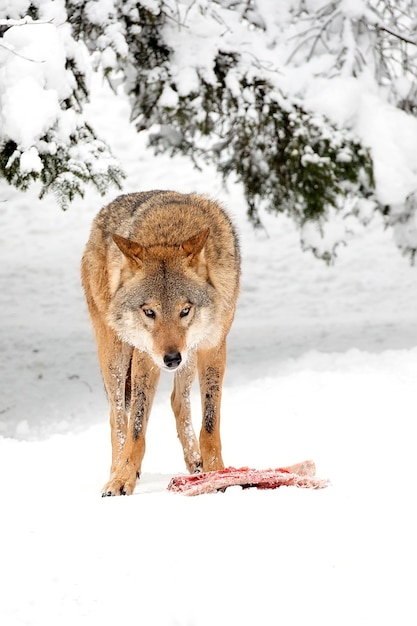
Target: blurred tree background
x: 245, y: 86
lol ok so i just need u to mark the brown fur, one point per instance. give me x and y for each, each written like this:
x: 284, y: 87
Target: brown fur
x: 161, y: 277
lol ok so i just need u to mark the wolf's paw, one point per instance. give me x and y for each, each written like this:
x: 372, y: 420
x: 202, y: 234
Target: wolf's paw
x: 118, y: 487
x: 193, y: 461
x: 197, y: 468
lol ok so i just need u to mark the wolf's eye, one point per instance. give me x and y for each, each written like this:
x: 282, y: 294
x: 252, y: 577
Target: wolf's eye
x: 149, y: 313
x: 185, y: 311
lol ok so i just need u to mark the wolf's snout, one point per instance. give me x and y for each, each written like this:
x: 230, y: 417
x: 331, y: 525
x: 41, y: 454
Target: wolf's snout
x: 172, y: 360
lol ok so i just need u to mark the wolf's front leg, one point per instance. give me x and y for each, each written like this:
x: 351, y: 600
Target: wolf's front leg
x: 211, y: 365
x: 144, y: 380
x: 115, y: 359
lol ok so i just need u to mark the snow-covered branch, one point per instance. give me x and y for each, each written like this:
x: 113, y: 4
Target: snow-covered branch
x: 43, y: 134
x: 274, y: 96
x: 24, y: 21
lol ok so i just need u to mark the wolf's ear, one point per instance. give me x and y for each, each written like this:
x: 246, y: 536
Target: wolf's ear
x: 130, y: 249
x: 193, y: 246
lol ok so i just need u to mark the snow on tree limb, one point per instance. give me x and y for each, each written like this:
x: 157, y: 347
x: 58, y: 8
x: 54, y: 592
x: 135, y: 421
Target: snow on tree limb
x: 253, y: 87
x: 42, y: 131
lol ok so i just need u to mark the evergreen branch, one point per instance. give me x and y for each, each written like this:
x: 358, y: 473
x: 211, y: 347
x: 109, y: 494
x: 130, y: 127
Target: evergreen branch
x: 379, y: 24
x: 316, y: 34
x: 396, y: 34
x: 25, y: 21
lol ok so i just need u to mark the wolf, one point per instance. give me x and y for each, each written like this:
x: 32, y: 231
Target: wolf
x: 161, y: 274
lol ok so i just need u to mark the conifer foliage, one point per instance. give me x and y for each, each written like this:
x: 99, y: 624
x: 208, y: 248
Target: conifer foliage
x: 43, y: 88
x: 224, y: 82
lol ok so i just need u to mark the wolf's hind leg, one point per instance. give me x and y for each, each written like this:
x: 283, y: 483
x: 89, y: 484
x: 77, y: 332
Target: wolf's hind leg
x: 180, y: 402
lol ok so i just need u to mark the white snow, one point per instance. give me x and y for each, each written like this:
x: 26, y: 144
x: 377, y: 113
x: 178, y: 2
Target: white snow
x: 16, y: 106
x: 14, y: 8
x: 34, y: 80
x: 322, y: 364
x: 30, y: 161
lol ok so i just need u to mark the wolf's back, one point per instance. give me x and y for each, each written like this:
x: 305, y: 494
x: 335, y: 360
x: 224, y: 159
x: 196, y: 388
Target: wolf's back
x: 166, y: 218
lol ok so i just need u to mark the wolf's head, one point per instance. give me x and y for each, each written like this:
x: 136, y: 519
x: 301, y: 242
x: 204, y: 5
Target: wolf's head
x: 162, y: 299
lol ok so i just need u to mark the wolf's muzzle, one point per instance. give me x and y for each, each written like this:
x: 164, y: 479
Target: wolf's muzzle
x: 172, y: 360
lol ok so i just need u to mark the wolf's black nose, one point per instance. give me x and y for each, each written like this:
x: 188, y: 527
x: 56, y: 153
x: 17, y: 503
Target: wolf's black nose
x: 172, y: 359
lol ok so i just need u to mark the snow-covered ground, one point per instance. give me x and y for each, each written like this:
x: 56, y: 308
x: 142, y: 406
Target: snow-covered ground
x: 322, y: 364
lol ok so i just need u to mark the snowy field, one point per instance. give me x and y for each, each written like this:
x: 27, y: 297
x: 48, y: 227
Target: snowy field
x: 322, y: 364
